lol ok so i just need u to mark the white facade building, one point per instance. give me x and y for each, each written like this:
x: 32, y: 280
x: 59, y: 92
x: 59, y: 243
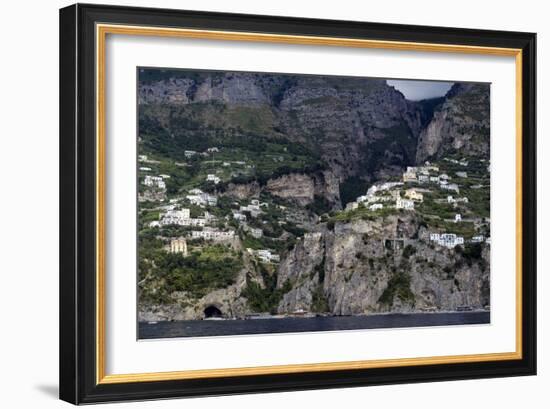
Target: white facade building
x: 154, y: 181
x: 239, y: 216
x: 265, y: 255
x: 212, y: 178
x: 449, y: 240
x: 376, y: 206
x: 401, y: 203
x: 213, y: 234
x: 450, y: 186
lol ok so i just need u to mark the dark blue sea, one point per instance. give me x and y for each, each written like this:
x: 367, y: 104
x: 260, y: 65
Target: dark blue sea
x: 202, y: 328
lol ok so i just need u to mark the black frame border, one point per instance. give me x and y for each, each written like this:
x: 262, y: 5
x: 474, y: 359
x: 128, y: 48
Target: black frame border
x: 78, y: 197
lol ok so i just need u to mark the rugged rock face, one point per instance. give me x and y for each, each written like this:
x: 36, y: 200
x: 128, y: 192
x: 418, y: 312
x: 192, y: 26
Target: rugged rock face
x: 357, y: 130
x: 243, y: 190
x: 331, y: 135
x: 366, y: 267
x: 297, y: 187
x: 461, y: 123
x: 229, y: 301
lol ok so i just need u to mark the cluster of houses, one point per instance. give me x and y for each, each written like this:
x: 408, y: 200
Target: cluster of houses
x: 155, y: 181
x: 389, y: 194
x: 199, y: 198
x: 385, y: 192
x: 430, y: 174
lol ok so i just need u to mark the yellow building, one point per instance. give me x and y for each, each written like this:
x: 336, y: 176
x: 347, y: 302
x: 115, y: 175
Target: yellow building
x: 414, y: 195
x: 179, y: 246
x: 409, y: 177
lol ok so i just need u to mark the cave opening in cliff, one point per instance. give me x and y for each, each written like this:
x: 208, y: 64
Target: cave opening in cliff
x: 212, y: 312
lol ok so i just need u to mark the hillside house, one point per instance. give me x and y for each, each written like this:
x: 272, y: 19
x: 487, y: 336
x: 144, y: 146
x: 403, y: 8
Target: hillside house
x: 406, y: 204
x: 265, y: 255
x: 458, y: 218
x: 154, y: 181
x: 450, y: 186
x: 376, y: 206
x: 409, y: 177
x: 213, y: 178
x: 189, y: 154
x: 210, y: 233
x: 449, y: 240
x: 239, y: 216
x: 179, y: 245
x: 414, y: 195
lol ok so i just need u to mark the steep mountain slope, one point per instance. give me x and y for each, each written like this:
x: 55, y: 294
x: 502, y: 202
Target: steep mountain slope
x: 460, y: 124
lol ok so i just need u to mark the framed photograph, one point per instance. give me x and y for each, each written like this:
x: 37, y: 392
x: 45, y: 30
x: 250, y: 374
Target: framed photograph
x: 257, y: 203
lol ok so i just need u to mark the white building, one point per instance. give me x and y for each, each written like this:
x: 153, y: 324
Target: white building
x: 154, y: 181
x: 202, y: 199
x: 376, y: 206
x: 213, y: 234
x: 450, y: 186
x: 265, y: 255
x: 195, y: 191
x: 253, y: 208
x: 449, y: 240
x: 239, y: 216
x: 401, y: 203
x: 213, y: 149
x: 142, y: 158
x: 165, y: 176
x: 256, y: 233
x: 182, y: 218
x: 352, y: 206
x: 423, y: 178
x: 212, y: 178
x: 145, y: 169
x: 458, y: 218
x: 450, y: 199
x: 462, y: 174
x: 189, y: 154
x: 179, y: 245
x: 434, y: 179
x: 478, y: 239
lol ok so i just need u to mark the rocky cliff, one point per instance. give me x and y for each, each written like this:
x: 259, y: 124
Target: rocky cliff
x: 385, y: 265
x: 460, y: 124
x: 357, y: 130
